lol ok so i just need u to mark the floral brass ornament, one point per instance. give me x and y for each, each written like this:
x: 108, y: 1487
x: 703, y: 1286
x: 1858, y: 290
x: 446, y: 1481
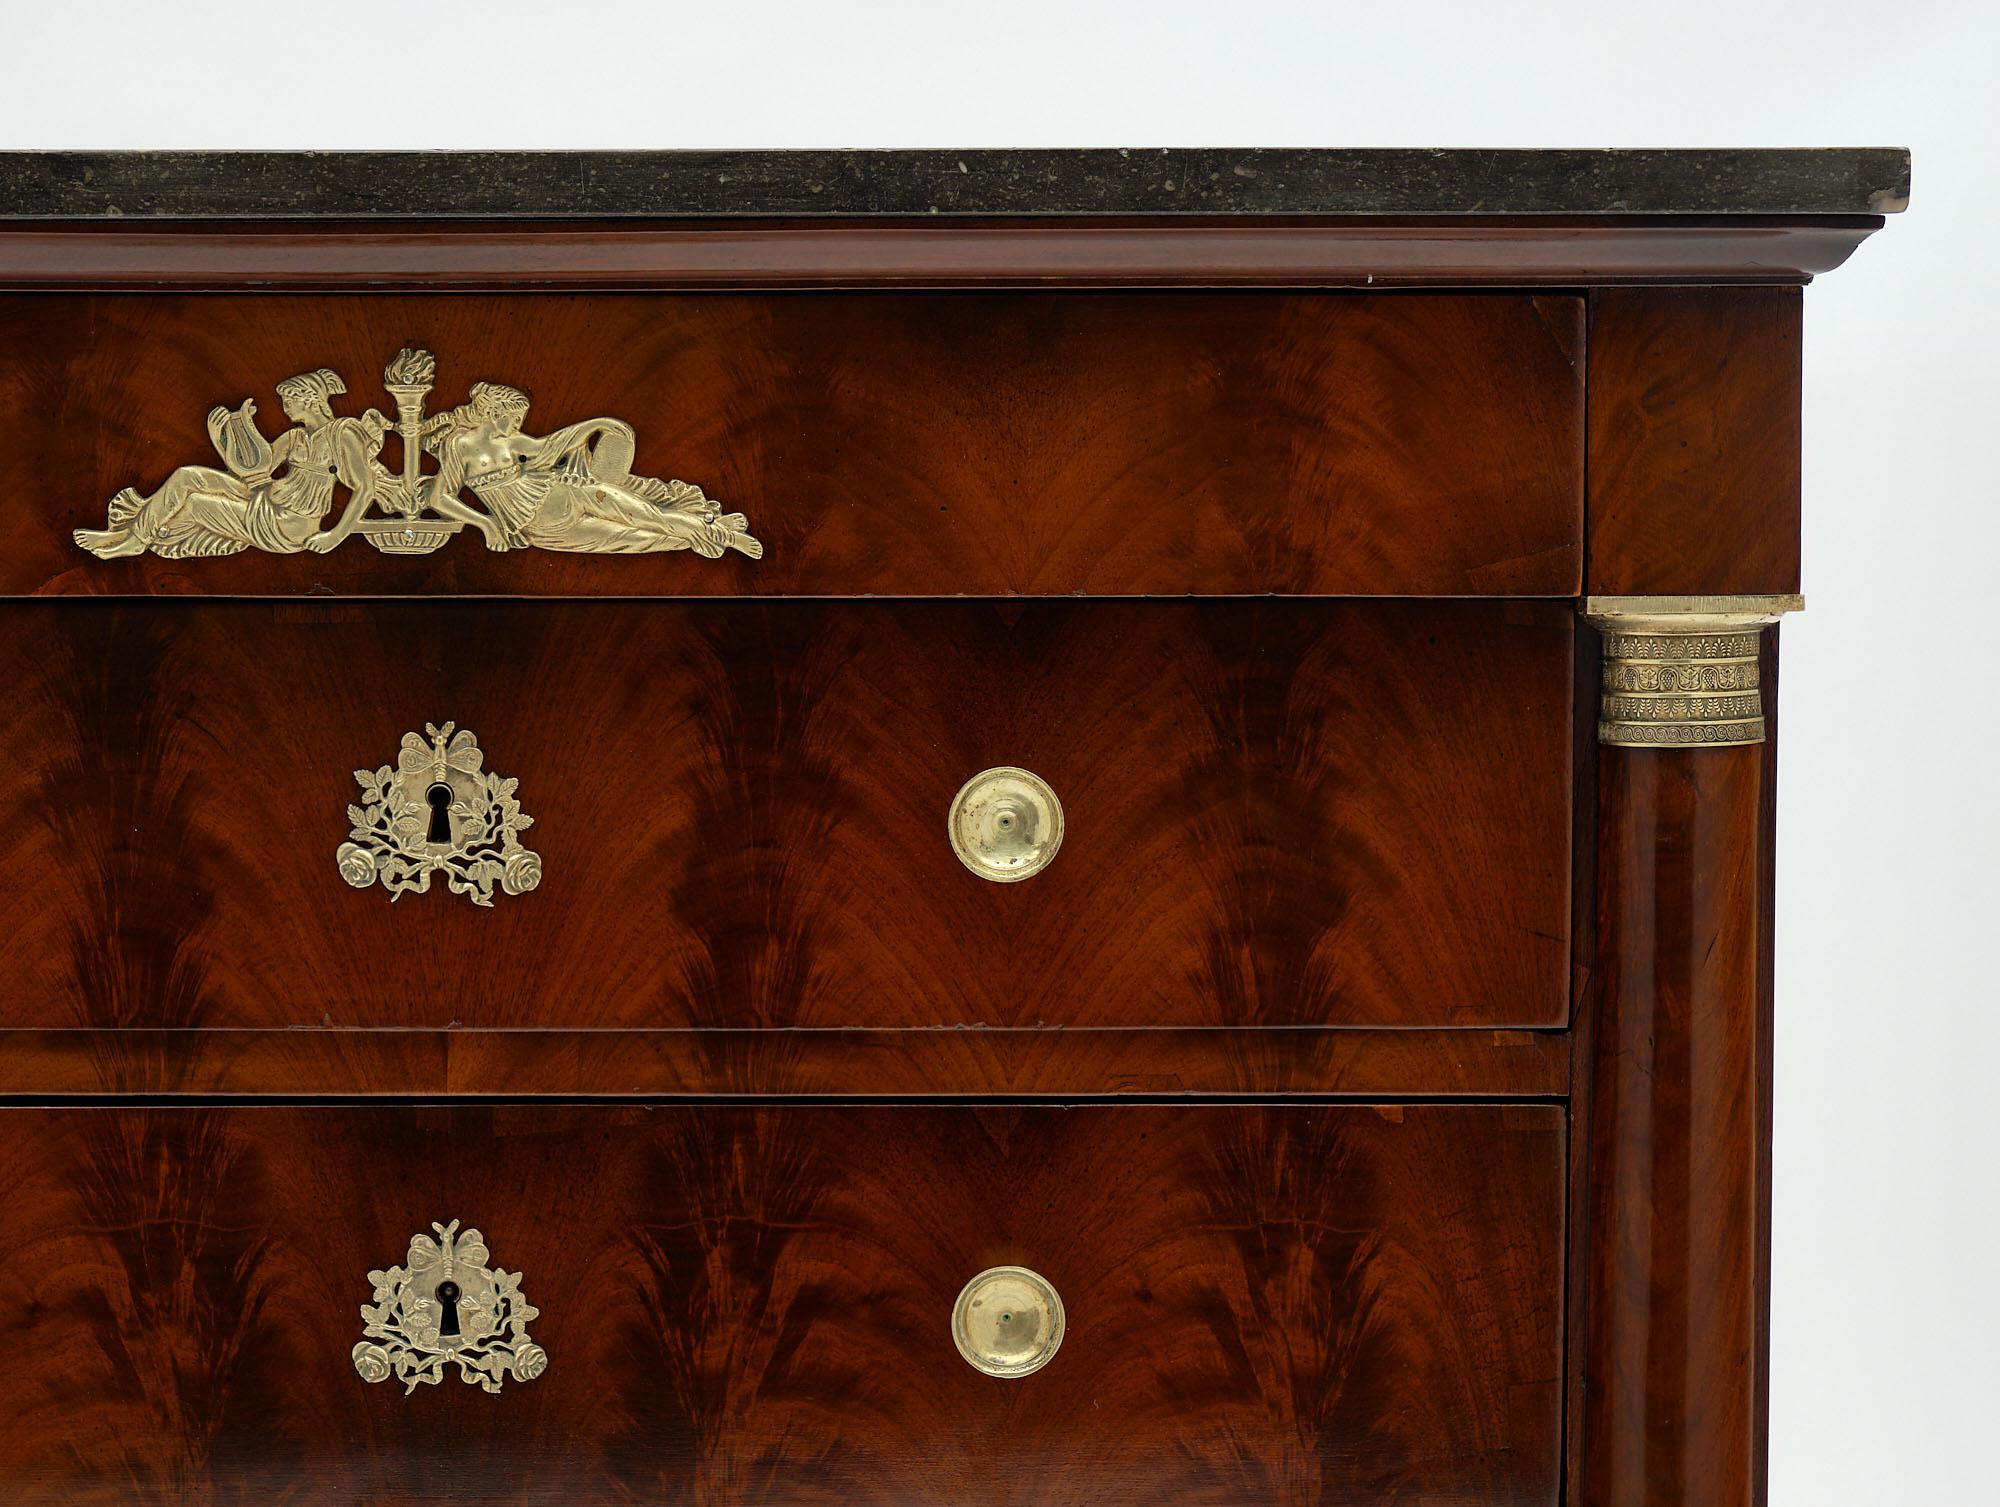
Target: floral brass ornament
x: 570, y: 490
x: 439, y: 811
x: 448, y: 1308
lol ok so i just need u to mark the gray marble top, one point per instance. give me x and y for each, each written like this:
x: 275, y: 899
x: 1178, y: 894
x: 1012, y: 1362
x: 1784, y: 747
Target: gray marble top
x: 1178, y: 183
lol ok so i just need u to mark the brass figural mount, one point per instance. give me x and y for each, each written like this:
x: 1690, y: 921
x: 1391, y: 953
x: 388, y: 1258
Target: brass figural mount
x: 570, y: 490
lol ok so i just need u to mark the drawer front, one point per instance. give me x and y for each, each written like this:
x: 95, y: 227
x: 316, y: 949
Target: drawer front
x: 1261, y: 1305
x: 1277, y: 814
x: 888, y: 444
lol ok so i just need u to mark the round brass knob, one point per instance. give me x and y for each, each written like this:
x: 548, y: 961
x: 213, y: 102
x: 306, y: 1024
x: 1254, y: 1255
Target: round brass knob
x: 1005, y: 824
x: 1008, y: 1322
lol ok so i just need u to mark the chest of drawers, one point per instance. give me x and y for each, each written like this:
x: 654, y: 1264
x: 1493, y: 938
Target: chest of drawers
x: 996, y: 828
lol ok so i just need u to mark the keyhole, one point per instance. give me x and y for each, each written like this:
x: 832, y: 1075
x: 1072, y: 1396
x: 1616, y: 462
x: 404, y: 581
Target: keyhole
x: 439, y: 796
x: 447, y: 1296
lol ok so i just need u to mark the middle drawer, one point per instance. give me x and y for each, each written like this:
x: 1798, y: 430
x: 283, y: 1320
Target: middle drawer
x: 1276, y: 813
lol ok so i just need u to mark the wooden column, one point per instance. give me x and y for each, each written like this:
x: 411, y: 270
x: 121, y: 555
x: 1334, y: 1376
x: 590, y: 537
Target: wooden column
x: 1677, y: 1193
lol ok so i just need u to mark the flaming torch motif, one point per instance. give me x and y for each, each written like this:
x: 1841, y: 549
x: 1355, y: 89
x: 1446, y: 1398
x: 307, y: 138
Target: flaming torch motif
x: 409, y: 379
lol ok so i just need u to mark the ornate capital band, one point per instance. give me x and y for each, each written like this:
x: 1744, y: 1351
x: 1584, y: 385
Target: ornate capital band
x: 1681, y: 672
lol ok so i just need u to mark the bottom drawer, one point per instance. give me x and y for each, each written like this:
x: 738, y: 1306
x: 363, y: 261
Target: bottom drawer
x: 1299, y: 1304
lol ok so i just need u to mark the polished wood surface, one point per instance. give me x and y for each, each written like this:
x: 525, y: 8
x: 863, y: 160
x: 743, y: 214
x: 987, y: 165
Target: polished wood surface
x: 1052, y: 1062
x: 925, y: 444
x: 1490, y: 251
x: 1694, y: 441
x: 1266, y: 1305
x: 1678, y: 1182
x: 1381, y: 1071
x: 1278, y: 814
x: 1582, y: 1039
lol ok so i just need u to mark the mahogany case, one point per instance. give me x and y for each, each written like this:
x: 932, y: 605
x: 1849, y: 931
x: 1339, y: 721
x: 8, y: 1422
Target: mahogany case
x: 1178, y: 911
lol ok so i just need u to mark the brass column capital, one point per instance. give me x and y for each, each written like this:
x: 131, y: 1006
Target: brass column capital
x: 1682, y: 672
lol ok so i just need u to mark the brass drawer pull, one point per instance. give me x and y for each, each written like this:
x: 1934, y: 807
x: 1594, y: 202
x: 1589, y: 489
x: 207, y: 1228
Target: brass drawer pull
x: 438, y: 812
x: 1008, y: 1322
x: 1005, y: 824
x: 572, y: 490
x: 448, y: 1308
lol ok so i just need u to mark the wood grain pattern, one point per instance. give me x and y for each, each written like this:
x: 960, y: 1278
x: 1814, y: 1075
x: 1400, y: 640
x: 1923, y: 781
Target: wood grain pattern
x: 1278, y: 814
x: 1581, y: 1038
x: 1678, y: 1191
x: 1694, y: 441
x: 1047, y: 1063
x: 1308, y: 1305
x: 940, y: 444
x: 1551, y: 251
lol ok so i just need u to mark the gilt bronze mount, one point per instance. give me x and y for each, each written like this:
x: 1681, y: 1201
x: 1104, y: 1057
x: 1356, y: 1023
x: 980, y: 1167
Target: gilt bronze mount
x: 447, y: 1307
x: 572, y: 490
x: 1682, y: 671
x: 1008, y: 1322
x: 439, y: 811
x: 1005, y: 824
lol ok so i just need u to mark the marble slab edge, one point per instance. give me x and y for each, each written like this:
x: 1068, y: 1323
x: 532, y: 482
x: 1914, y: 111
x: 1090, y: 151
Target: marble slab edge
x: 1085, y: 183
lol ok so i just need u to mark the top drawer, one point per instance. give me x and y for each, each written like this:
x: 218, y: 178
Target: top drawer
x: 895, y: 444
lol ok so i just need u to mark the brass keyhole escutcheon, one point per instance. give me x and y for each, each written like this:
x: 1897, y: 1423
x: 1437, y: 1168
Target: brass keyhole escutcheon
x: 439, y: 814
x: 1005, y: 824
x: 449, y: 1308
x: 1008, y: 1322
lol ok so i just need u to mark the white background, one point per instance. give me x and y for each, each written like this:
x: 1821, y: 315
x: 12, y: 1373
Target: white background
x: 1886, y: 1348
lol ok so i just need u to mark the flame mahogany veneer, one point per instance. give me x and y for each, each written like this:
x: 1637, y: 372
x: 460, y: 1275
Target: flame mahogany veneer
x: 740, y: 808
x: 1312, y: 1303
x: 933, y: 444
